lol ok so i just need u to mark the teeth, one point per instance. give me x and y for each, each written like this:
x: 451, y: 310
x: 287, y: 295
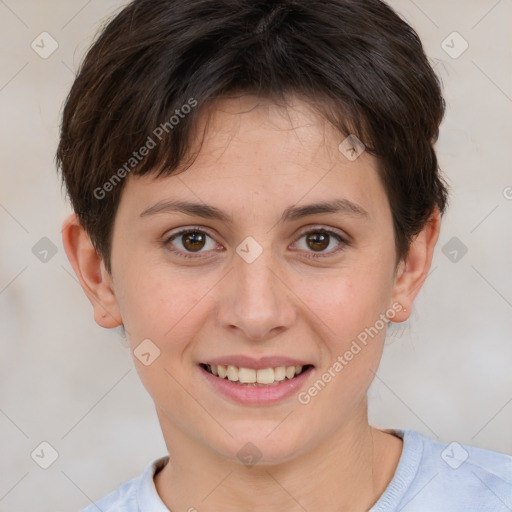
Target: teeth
x: 232, y: 373
x: 280, y: 373
x: 266, y: 376
x: 247, y: 375
x: 290, y: 372
x: 221, y: 369
x: 252, y: 376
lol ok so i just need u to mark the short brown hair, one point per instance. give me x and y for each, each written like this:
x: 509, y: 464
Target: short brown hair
x: 357, y: 62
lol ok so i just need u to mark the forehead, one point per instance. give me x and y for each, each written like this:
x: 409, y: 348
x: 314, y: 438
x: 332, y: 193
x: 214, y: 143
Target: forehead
x: 252, y: 148
x: 259, y: 125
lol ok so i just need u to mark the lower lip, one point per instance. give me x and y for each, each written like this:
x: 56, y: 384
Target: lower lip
x: 256, y: 395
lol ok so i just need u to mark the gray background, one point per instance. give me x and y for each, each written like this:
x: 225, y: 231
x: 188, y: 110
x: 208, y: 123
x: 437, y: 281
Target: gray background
x: 64, y: 380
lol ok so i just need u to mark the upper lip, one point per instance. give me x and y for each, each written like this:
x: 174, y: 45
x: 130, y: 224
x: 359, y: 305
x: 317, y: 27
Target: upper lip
x: 242, y: 361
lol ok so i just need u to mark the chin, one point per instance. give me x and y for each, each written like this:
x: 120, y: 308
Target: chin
x: 261, y: 449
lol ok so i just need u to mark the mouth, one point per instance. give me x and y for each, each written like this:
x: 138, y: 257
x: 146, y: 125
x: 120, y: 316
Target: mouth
x: 252, y: 377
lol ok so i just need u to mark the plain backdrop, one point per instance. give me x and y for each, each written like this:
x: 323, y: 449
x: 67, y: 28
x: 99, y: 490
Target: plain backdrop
x: 67, y: 382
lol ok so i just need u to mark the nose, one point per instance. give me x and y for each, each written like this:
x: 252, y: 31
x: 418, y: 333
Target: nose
x: 255, y: 299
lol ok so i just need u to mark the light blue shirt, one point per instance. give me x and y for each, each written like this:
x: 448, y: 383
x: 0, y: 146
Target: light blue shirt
x: 430, y: 477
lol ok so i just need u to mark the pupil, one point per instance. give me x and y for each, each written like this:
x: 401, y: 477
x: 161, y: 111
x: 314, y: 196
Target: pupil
x: 318, y: 241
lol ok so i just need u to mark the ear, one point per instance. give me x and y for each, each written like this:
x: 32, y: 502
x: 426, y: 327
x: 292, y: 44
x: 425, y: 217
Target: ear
x: 414, y: 268
x: 90, y: 270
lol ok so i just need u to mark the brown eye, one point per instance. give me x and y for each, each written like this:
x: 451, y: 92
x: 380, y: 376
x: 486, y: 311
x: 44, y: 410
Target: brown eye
x: 318, y: 241
x: 323, y: 242
x: 193, y: 241
x: 189, y: 241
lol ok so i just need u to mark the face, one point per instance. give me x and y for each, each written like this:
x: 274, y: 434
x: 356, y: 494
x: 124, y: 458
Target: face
x: 258, y: 275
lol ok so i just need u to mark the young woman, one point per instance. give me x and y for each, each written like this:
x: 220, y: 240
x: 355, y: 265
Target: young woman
x: 256, y: 197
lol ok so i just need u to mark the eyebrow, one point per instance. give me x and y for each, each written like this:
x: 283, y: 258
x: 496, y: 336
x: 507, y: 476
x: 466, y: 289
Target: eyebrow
x: 291, y: 213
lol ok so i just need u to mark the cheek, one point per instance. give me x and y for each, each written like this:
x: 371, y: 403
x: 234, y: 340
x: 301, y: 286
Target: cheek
x: 162, y: 309
x: 348, y: 302
x: 349, y: 308
x: 352, y: 336
x: 155, y: 300
x: 168, y: 308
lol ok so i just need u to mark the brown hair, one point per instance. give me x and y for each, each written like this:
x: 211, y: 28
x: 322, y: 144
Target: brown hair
x: 158, y: 63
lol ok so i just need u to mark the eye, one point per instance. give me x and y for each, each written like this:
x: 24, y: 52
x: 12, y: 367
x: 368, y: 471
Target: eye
x: 319, y: 239
x: 189, y: 241
x: 192, y: 240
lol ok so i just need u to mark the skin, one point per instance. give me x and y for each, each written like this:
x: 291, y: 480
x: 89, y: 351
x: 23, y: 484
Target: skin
x: 257, y: 159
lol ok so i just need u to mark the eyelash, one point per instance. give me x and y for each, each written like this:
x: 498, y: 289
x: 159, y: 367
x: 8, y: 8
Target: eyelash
x: 167, y: 242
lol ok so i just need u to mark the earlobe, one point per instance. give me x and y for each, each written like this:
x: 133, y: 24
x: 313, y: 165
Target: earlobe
x: 91, y: 273
x: 414, y: 269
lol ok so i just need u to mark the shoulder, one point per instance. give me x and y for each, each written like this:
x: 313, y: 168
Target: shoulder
x: 124, y: 496
x: 128, y: 497
x: 455, y: 458
x: 456, y: 477
x: 462, y: 463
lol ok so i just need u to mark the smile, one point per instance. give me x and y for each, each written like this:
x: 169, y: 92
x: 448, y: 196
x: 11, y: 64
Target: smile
x: 255, y: 377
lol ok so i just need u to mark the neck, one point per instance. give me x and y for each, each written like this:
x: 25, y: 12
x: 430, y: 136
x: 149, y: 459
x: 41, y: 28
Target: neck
x: 348, y: 470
